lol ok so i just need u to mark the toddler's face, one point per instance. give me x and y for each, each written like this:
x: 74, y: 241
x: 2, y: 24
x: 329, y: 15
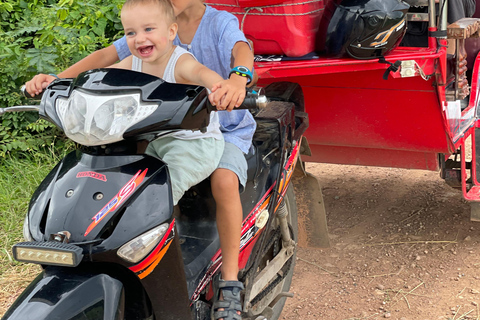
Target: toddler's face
x: 149, y: 33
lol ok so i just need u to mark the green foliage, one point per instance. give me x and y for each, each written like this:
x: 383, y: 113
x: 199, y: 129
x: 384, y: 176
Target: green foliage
x: 45, y: 36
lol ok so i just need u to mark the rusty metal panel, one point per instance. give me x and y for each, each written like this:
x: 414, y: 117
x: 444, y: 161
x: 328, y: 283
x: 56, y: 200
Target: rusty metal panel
x: 463, y: 28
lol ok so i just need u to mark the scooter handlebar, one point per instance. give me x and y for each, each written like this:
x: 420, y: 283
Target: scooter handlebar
x: 251, y: 101
x: 22, y: 108
x: 19, y: 109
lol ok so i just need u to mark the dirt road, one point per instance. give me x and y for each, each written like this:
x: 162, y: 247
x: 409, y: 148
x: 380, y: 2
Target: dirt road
x: 402, y: 247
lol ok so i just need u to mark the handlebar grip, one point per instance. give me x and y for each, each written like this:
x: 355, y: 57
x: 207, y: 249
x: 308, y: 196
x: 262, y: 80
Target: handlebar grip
x: 25, y: 93
x: 254, y: 101
x: 251, y: 101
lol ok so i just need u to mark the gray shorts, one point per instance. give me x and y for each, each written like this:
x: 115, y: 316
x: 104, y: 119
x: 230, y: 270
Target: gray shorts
x: 234, y: 160
x: 189, y: 161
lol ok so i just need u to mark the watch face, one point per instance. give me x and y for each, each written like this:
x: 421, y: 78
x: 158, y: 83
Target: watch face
x: 243, y: 72
x: 243, y: 69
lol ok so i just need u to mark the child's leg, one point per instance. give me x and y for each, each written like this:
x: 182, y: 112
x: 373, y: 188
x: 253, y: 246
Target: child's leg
x: 189, y: 161
x: 229, y: 219
x: 225, y: 188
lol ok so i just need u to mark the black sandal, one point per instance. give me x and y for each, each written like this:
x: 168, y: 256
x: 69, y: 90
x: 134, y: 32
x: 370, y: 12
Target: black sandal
x: 230, y: 303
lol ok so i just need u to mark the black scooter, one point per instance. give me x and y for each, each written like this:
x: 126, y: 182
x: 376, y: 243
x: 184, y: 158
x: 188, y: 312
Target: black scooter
x: 102, y: 224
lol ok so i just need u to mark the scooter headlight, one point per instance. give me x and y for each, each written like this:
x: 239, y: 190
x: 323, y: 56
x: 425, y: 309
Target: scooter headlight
x: 92, y: 119
x: 138, y: 248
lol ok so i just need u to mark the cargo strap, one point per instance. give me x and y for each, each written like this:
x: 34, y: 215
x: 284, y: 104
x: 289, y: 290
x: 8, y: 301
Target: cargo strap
x: 393, y: 66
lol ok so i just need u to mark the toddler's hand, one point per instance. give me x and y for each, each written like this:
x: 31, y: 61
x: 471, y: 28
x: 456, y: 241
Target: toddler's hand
x: 228, y: 94
x: 38, y: 83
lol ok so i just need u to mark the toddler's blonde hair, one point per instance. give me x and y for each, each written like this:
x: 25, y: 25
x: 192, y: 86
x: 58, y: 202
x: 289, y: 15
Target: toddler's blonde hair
x: 165, y: 5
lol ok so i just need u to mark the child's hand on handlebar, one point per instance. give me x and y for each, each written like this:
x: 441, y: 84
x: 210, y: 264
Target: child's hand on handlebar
x: 228, y: 94
x: 38, y: 83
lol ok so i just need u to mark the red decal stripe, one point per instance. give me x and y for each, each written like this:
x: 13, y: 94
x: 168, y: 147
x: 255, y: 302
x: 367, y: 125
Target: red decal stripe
x: 153, y: 255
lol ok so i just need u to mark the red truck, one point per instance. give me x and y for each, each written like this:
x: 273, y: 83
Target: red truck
x: 411, y: 107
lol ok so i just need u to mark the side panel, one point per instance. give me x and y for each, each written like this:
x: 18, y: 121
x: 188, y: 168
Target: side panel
x: 359, y: 109
x: 372, y: 156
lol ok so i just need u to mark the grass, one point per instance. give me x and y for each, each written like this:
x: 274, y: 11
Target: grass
x: 18, y: 180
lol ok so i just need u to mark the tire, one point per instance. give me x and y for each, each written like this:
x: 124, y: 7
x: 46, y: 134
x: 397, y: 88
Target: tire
x: 284, y: 286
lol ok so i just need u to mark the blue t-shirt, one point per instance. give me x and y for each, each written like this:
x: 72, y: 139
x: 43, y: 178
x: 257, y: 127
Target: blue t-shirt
x: 212, y: 45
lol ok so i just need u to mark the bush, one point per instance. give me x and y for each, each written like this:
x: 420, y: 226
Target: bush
x: 45, y: 36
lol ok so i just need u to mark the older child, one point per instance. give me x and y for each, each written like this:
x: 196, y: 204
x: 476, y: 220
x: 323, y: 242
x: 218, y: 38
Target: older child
x: 215, y: 39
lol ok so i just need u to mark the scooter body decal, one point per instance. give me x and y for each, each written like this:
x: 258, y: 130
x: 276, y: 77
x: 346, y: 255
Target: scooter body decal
x: 118, y: 199
x: 287, y: 174
x: 249, y: 234
x: 249, y: 231
x: 91, y: 174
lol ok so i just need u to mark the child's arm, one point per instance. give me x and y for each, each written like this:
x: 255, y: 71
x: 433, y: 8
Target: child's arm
x: 190, y: 71
x: 234, y: 88
x: 124, y: 64
x: 98, y: 59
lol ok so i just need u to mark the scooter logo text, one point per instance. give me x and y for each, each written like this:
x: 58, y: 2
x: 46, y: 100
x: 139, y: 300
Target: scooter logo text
x: 118, y: 199
x: 91, y: 174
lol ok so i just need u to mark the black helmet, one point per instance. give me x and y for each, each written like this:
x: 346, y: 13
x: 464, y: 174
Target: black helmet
x: 363, y: 29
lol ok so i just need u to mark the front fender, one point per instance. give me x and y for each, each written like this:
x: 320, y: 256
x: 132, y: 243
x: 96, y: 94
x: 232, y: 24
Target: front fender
x: 56, y: 294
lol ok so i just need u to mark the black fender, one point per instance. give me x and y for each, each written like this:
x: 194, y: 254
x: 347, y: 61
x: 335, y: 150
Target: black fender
x: 292, y: 92
x: 57, y: 294
x: 286, y: 91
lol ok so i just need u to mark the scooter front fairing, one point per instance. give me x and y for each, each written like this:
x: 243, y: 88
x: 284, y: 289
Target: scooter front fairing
x: 102, y: 202
x: 57, y: 294
x: 101, y: 197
